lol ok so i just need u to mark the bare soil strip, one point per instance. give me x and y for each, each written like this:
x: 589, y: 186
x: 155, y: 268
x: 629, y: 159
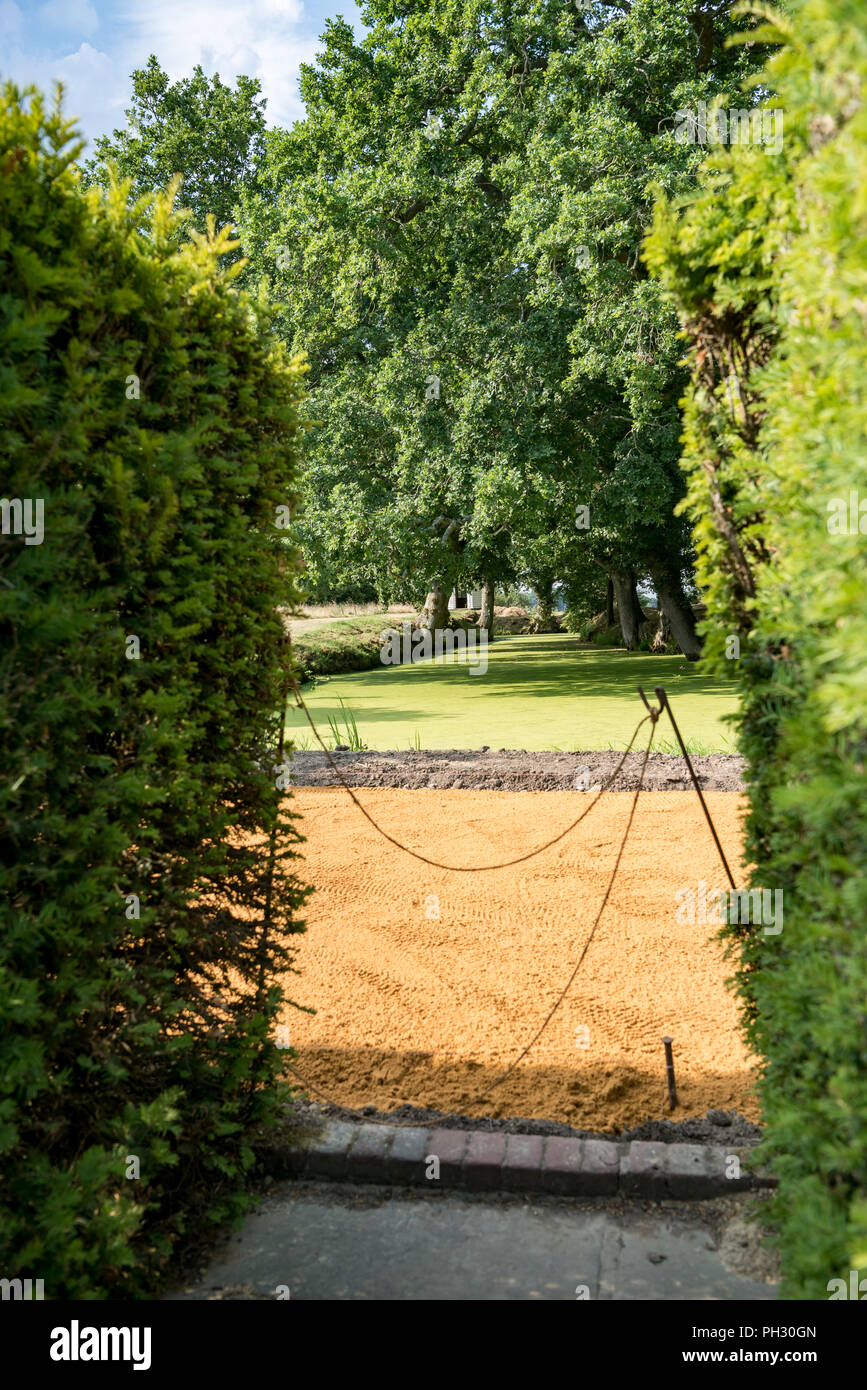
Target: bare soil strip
x: 428, y: 983
x: 505, y: 770
x: 722, y: 1127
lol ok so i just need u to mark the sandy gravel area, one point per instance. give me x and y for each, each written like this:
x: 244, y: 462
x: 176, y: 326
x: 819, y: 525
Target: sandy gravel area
x: 428, y: 983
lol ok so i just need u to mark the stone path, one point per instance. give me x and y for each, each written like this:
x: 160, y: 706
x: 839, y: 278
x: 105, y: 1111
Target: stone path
x: 341, y: 1241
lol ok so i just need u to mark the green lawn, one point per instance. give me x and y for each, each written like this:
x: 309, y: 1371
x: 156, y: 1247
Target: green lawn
x: 539, y: 692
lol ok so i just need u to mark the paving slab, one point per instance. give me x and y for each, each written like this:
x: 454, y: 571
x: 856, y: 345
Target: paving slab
x: 341, y: 1241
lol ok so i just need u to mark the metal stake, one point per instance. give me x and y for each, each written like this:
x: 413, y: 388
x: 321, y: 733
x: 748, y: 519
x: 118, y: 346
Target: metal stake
x: 669, y: 1073
x: 664, y: 705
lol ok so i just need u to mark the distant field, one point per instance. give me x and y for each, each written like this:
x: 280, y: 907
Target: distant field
x: 539, y: 692
x: 317, y: 616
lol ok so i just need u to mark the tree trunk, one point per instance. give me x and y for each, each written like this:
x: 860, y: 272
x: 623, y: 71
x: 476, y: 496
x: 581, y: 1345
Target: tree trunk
x: 435, y: 613
x: 609, y: 603
x: 486, y: 617
x: 628, y: 608
x: 545, y: 612
x: 663, y: 634
x: 675, y: 606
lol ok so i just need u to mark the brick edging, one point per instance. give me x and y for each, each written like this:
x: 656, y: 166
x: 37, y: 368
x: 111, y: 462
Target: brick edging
x: 493, y: 1161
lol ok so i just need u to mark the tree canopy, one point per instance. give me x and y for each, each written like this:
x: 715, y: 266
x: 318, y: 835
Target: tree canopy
x: 453, y: 234
x: 210, y: 134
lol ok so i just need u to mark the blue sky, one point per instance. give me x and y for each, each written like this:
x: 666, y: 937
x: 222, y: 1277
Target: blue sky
x: 93, y: 45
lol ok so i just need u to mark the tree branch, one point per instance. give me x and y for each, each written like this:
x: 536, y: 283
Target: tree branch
x: 490, y: 189
x: 415, y: 207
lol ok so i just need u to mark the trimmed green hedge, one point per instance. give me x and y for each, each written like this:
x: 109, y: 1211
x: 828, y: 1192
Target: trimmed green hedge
x: 347, y: 644
x: 768, y: 267
x: 147, y: 892
x: 353, y: 644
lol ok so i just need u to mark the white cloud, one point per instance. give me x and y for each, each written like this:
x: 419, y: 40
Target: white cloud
x: 265, y: 39
x: 96, y: 89
x: 69, y: 16
x: 260, y: 39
